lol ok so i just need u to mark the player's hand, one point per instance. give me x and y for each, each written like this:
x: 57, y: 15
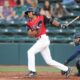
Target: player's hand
x: 32, y: 33
x: 63, y: 26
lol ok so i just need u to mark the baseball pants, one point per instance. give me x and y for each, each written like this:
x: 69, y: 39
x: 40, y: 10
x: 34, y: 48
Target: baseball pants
x: 42, y: 46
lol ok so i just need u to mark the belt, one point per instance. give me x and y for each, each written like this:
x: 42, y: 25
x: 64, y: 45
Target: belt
x: 40, y: 36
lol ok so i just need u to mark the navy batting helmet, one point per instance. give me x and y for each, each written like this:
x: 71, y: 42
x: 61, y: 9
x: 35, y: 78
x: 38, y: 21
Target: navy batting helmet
x: 30, y: 9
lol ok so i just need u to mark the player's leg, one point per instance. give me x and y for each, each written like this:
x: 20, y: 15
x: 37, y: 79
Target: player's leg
x: 47, y: 57
x: 31, y: 58
x: 37, y: 47
x: 72, y: 57
x: 78, y: 67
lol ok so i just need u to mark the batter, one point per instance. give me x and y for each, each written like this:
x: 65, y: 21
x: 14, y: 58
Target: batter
x: 37, y: 22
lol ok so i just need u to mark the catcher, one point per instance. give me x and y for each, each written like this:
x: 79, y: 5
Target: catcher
x: 76, y: 53
x: 37, y: 29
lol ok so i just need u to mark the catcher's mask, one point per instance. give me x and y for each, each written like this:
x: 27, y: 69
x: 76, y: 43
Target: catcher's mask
x: 77, y: 35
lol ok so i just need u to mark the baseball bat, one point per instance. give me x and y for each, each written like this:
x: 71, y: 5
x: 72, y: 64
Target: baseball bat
x: 76, y: 18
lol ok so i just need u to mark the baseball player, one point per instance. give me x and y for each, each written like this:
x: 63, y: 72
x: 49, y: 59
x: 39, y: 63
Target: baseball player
x: 76, y: 53
x: 36, y: 28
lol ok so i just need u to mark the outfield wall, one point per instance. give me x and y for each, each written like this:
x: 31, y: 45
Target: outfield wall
x: 16, y: 53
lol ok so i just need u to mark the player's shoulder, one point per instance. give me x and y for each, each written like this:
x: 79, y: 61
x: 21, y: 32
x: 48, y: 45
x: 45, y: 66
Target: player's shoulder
x: 41, y: 16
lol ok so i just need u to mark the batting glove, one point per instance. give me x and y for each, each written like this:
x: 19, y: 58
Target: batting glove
x: 63, y: 26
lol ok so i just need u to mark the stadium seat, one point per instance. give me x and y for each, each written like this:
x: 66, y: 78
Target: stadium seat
x: 16, y: 30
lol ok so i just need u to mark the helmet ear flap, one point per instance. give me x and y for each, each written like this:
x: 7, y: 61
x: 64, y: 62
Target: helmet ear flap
x: 33, y: 12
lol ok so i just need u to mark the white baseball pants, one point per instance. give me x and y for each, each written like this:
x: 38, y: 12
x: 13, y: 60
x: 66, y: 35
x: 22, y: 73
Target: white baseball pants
x: 42, y: 45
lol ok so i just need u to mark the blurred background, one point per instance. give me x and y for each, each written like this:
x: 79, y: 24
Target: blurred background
x: 14, y: 41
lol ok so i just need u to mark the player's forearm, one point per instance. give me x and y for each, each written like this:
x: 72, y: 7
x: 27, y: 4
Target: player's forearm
x: 56, y: 23
x: 72, y: 57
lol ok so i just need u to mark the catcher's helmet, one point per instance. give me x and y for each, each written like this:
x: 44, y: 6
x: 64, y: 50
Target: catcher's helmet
x: 30, y: 9
x: 77, y: 35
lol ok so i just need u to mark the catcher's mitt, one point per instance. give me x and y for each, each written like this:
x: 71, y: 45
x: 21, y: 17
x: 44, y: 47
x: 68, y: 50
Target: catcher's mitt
x: 32, y: 33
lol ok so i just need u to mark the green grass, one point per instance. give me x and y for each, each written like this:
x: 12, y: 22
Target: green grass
x: 12, y: 69
x: 39, y: 69
x: 42, y: 69
x: 47, y: 69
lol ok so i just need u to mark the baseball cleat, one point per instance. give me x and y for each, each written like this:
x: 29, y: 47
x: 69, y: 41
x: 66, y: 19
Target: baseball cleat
x: 62, y: 72
x: 31, y: 74
x: 66, y: 73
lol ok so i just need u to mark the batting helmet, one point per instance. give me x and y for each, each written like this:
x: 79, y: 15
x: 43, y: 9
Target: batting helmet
x: 30, y: 9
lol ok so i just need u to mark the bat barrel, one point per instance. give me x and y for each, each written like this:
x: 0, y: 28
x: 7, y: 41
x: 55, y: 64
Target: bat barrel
x: 73, y: 20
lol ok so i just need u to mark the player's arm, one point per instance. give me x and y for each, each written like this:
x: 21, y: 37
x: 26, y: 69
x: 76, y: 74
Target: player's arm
x: 53, y: 22
x: 72, y: 57
x: 77, y: 43
x: 38, y: 26
x: 31, y: 32
x: 35, y: 29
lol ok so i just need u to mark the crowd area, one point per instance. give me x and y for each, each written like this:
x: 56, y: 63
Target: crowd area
x: 15, y: 9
